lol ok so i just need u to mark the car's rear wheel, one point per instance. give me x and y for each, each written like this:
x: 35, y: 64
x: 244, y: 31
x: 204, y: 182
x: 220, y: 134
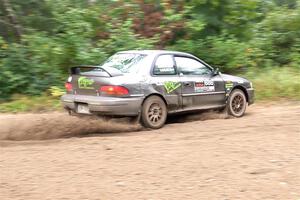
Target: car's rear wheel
x: 154, y: 112
x: 237, y: 103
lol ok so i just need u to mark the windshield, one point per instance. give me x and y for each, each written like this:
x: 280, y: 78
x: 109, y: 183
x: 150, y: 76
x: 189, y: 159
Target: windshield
x: 125, y: 62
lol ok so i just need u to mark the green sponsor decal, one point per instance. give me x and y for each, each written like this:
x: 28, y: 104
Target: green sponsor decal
x: 228, y: 85
x: 171, y: 86
x: 85, y: 83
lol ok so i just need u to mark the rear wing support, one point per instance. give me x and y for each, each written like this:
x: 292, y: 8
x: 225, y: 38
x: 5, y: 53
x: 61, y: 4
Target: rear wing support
x: 109, y: 70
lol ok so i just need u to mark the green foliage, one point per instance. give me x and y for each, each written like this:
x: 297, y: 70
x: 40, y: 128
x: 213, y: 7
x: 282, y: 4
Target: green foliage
x: 238, y: 36
x: 124, y: 38
x: 33, y: 104
x: 278, y: 36
x: 56, y: 91
x: 229, y: 54
x: 28, y: 69
x: 276, y: 83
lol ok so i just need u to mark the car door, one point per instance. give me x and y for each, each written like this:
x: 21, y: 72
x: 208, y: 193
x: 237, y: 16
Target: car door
x: 200, y: 87
x: 165, y: 81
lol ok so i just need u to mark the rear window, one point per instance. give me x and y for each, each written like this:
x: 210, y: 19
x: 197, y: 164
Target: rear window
x: 125, y: 62
x: 164, y: 65
x: 89, y: 71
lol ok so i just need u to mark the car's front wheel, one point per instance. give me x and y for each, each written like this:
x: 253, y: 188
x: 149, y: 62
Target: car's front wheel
x: 237, y: 103
x: 154, y: 112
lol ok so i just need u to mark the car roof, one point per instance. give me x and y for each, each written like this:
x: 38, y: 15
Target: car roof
x: 157, y: 52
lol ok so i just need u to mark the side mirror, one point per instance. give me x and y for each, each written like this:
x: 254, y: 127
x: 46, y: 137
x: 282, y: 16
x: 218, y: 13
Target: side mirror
x: 216, y: 71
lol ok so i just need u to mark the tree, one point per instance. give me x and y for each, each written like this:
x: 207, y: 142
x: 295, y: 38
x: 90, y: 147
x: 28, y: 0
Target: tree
x: 12, y: 19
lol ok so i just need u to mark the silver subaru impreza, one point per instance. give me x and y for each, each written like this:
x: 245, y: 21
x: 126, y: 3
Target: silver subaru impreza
x: 151, y: 84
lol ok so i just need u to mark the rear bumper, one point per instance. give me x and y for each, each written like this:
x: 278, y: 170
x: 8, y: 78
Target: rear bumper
x: 250, y: 92
x: 104, y: 105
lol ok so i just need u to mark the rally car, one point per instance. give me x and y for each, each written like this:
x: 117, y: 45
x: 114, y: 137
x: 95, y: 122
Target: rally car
x: 151, y: 84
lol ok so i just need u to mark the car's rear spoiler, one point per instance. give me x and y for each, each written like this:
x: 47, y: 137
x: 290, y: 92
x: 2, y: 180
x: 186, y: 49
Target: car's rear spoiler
x: 85, y: 68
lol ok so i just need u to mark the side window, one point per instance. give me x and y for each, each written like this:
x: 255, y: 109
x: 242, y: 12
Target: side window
x: 189, y: 66
x: 164, y: 65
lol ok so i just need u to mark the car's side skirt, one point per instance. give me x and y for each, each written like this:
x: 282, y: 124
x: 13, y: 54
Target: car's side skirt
x: 197, y: 108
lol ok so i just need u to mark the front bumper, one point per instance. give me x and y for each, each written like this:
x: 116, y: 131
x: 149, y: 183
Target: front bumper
x: 250, y: 92
x: 104, y: 105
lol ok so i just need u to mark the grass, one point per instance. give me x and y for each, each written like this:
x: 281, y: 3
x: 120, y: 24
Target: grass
x: 31, y: 104
x: 269, y: 84
x: 276, y: 83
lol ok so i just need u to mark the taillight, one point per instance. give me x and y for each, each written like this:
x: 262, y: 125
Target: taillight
x: 68, y: 86
x: 114, y: 90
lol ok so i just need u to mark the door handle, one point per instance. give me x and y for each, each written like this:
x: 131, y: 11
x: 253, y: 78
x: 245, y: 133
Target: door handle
x: 187, y: 83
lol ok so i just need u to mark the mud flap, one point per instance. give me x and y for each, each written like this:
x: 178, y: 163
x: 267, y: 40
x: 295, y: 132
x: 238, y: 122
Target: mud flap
x: 136, y: 119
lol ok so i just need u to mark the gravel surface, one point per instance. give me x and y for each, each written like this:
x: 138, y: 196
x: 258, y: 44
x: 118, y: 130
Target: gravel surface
x: 205, y: 156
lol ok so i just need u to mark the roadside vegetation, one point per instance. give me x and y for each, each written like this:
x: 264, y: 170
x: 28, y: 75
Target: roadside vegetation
x: 275, y: 84
x: 41, y: 39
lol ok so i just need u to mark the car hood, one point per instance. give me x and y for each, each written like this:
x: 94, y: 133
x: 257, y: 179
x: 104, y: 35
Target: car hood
x: 236, y: 79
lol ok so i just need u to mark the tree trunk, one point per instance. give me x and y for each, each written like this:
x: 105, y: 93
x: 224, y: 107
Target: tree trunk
x: 12, y: 19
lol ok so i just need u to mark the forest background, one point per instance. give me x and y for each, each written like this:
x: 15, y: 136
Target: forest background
x: 41, y: 39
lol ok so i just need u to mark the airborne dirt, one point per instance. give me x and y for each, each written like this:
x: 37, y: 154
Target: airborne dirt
x: 209, y: 156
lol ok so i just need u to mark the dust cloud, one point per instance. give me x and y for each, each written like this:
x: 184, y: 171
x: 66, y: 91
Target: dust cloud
x: 60, y: 125
x: 198, y: 116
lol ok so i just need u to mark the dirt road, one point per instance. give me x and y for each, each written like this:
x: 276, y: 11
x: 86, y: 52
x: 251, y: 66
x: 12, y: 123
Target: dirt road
x: 207, y: 157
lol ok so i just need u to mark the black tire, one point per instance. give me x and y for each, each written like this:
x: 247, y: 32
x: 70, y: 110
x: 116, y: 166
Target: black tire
x: 154, y: 112
x: 237, y: 103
